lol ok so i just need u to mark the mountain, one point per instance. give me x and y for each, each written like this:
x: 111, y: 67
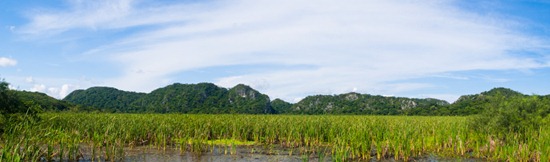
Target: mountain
x: 184, y: 98
x: 242, y: 99
x: 355, y: 103
x: 476, y: 103
x: 104, y: 98
x: 176, y: 98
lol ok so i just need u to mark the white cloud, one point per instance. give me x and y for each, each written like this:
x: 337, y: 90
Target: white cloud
x: 61, y: 91
x: 38, y: 88
x: 350, y: 44
x: 4, y: 62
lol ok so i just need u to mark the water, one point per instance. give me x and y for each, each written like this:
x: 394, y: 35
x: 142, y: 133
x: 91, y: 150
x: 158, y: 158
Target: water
x: 239, y: 154
x: 216, y: 154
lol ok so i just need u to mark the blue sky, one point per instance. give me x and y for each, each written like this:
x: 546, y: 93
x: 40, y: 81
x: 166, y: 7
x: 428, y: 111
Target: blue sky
x: 286, y: 49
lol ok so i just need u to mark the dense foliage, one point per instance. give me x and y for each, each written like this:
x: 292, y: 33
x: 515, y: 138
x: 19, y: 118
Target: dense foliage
x: 513, y: 116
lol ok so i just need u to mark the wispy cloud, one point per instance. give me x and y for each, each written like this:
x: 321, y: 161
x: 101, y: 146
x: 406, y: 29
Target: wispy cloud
x: 352, y: 45
x: 83, y: 14
x: 5, y: 62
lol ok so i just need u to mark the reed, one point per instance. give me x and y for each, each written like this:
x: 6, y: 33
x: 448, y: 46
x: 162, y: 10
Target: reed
x: 67, y: 135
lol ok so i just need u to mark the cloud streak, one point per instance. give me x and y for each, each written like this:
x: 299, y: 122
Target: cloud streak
x: 351, y: 45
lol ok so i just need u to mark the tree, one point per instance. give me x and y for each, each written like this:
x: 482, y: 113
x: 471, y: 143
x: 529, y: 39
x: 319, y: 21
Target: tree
x: 9, y: 103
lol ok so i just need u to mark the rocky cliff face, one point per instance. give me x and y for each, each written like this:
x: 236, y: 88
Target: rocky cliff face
x: 249, y: 100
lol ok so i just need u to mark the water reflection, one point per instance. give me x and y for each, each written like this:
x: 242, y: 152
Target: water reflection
x: 241, y: 154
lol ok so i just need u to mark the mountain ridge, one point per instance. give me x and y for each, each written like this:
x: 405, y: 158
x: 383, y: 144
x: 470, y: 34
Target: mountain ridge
x: 242, y: 99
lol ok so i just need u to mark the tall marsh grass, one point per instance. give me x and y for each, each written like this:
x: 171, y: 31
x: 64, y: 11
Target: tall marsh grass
x: 105, y: 136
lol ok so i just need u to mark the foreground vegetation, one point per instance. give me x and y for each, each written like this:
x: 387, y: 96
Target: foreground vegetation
x: 106, y: 136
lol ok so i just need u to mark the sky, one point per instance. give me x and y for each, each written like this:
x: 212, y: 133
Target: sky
x: 287, y: 49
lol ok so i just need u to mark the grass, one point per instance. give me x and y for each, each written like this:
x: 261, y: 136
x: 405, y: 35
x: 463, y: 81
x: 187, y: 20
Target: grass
x: 64, y: 135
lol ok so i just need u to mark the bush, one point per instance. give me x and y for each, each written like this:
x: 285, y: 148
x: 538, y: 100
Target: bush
x: 518, y: 116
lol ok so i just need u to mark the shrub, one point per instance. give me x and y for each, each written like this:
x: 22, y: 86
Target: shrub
x: 518, y: 116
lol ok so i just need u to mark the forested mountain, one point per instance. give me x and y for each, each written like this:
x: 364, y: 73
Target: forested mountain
x: 177, y: 98
x: 184, y: 98
x: 104, y: 98
x: 471, y: 104
x: 355, y: 103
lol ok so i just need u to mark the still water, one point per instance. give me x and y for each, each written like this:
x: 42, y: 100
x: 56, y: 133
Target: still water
x: 240, y: 154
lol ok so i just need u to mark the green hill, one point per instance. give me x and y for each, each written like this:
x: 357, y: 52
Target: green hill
x: 46, y: 102
x: 105, y: 98
x: 176, y: 98
x: 355, y: 103
x: 472, y: 104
